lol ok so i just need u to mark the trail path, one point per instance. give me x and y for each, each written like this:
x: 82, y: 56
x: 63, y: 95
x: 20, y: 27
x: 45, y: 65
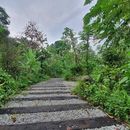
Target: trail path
x: 50, y: 106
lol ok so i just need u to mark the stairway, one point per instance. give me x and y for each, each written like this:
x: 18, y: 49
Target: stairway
x: 50, y: 106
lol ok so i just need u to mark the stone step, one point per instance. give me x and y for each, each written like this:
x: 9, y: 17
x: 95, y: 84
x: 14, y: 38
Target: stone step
x: 36, y: 103
x: 77, y: 124
x: 45, y: 98
x: 44, y: 95
x: 51, y: 108
x: 45, y: 91
x: 42, y: 86
x: 51, y: 92
x: 50, y: 88
x: 27, y: 118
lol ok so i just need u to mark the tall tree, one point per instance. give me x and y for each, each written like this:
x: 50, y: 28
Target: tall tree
x: 36, y: 39
x: 85, y: 37
x: 70, y: 38
x: 60, y: 47
x: 4, y: 21
x: 4, y: 40
x: 4, y: 18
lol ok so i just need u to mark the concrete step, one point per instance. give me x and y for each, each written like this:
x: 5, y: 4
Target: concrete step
x: 27, y: 118
x: 42, y: 93
x: 36, y: 103
x: 45, y: 95
x: 51, y: 88
x: 77, y: 124
x: 49, y: 108
x: 46, y: 92
x: 45, y: 98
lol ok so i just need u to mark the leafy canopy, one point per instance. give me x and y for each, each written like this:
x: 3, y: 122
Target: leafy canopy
x: 109, y: 20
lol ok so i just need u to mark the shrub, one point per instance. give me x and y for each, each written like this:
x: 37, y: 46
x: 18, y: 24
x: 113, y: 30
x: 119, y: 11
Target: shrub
x: 76, y: 70
x: 84, y: 90
x: 29, y: 74
x: 116, y: 102
x: 8, y: 86
x: 80, y: 89
x: 100, y: 95
x: 68, y: 75
x: 30, y: 67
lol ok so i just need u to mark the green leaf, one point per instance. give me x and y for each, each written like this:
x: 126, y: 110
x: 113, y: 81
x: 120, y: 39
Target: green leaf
x: 123, y: 80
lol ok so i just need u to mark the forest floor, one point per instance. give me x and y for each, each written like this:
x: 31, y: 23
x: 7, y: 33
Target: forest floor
x: 51, y: 106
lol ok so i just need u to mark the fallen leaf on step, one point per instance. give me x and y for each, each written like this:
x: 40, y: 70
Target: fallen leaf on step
x: 13, y: 118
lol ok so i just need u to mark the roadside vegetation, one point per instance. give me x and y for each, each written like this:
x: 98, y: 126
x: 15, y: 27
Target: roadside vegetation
x: 108, y: 85
x: 103, y: 73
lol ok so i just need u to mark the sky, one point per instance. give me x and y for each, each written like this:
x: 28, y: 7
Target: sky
x: 51, y: 16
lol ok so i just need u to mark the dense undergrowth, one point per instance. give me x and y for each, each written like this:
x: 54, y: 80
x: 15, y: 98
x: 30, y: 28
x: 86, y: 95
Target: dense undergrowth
x: 109, y: 87
x: 116, y: 102
x: 29, y: 74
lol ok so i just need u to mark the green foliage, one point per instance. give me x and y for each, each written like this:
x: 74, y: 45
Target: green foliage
x: 8, y: 86
x: 60, y: 47
x: 113, y: 57
x: 80, y: 89
x: 56, y: 69
x: 19, y: 65
x: 125, y: 79
x: 69, y: 36
x: 116, y: 102
x: 68, y: 75
x: 29, y: 73
x: 3, y: 17
x: 70, y: 59
x: 76, y: 70
x: 30, y: 68
x: 10, y: 56
x: 4, y: 21
x: 109, y: 20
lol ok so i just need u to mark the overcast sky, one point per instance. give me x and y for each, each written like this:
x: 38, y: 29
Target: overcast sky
x: 51, y: 16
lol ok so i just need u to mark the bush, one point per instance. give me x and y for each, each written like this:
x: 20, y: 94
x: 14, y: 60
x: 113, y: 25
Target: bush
x: 116, y: 102
x: 84, y: 90
x: 100, y: 95
x: 30, y: 67
x: 29, y: 74
x: 8, y: 86
x: 72, y: 72
x: 80, y: 89
x: 68, y: 75
x: 76, y: 70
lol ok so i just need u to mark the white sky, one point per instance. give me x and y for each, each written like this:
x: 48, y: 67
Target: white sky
x: 51, y: 16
